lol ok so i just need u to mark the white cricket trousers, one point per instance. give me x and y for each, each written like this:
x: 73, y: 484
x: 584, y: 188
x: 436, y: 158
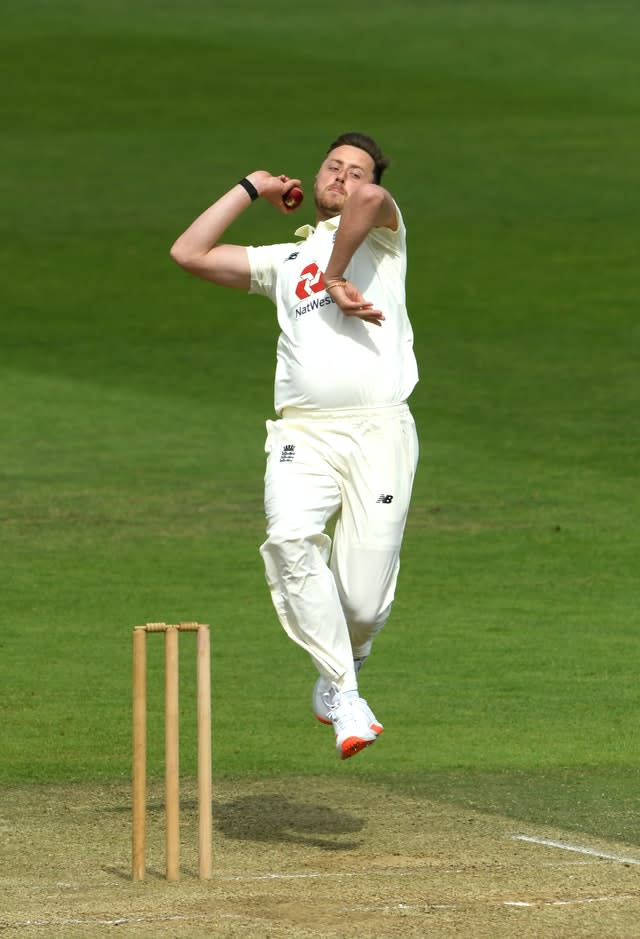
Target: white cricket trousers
x: 359, y: 466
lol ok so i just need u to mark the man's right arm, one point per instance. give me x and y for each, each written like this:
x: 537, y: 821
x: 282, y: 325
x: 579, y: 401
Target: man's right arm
x: 198, y: 250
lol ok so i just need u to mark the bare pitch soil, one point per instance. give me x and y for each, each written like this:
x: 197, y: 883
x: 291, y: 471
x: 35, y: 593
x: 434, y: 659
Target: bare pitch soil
x: 302, y: 858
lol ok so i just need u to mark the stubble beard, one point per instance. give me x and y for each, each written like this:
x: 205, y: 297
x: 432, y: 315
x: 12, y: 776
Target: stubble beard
x: 329, y: 204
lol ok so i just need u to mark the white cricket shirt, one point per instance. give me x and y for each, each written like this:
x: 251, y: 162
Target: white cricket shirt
x: 326, y: 360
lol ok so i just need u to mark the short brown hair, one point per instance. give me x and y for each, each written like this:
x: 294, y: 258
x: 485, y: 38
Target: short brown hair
x: 369, y: 145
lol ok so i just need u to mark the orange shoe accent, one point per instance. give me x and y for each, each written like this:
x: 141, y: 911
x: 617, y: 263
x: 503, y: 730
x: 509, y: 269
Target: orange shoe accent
x: 353, y: 745
x: 375, y: 727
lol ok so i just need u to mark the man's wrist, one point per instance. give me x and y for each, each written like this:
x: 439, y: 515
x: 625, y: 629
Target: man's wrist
x: 249, y: 188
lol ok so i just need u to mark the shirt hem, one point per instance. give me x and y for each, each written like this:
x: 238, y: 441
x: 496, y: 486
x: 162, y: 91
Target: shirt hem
x: 292, y: 413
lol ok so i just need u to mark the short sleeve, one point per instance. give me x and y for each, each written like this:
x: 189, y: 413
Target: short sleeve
x: 393, y: 242
x: 265, y: 263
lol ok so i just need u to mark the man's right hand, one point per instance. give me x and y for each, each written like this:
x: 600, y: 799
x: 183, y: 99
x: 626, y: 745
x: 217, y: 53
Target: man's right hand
x: 273, y: 188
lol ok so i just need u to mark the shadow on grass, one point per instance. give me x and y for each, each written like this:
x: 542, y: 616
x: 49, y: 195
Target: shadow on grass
x: 275, y: 818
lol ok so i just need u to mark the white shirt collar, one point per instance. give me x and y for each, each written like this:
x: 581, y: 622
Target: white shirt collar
x: 305, y: 231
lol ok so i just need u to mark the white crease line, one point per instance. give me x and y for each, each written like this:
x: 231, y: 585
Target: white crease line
x: 432, y: 907
x: 386, y: 908
x: 326, y: 875
x: 122, y: 920
x: 250, y: 878
x: 578, y: 849
x: 623, y: 896
x: 402, y: 907
x: 557, y: 864
x: 574, y: 902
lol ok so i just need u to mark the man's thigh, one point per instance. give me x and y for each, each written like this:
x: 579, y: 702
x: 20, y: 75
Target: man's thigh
x: 302, y: 490
x: 377, y: 483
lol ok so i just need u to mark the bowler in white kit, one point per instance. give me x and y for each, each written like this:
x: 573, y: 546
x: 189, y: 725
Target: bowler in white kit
x: 344, y: 443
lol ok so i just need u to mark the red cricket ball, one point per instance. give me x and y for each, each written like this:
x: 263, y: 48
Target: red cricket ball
x: 293, y: 198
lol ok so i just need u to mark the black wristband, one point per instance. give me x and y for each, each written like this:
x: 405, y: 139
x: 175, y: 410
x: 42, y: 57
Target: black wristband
x: 249, y: 188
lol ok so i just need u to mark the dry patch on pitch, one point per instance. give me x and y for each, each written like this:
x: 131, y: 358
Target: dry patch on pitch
x: 304, y: 858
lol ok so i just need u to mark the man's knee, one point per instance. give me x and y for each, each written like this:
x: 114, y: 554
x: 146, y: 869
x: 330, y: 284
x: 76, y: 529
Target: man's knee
x: 292, y: 559
x: 367, y: 585
x: 366, y: 614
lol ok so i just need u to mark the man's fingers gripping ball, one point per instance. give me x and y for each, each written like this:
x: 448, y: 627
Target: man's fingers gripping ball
x: 293, y: 198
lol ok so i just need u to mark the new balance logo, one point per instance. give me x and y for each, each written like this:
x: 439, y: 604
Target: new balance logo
x: 385, y: 499
x: 288, y: 453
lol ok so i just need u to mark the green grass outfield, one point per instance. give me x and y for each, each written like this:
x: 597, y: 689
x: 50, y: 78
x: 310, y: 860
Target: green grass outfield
x: 134, y: 397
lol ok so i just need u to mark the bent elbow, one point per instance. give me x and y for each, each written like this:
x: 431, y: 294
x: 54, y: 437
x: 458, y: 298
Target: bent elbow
x: 186, y: 259
x: 178, y: 254
x: 380, y: 206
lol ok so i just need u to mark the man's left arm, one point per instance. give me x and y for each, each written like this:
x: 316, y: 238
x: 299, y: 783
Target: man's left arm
x: 370, y: 206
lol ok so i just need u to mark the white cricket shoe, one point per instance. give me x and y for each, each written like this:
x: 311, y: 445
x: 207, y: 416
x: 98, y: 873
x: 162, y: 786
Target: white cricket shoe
x: 350, y: 722
x: 321, y: 707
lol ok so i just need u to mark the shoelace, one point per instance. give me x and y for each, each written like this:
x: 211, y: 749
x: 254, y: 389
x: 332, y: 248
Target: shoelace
x: 342, y: 712
x: 330, y: 698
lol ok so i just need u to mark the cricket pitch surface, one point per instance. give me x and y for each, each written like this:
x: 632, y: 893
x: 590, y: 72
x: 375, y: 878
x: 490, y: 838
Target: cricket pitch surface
x: 301, y: 858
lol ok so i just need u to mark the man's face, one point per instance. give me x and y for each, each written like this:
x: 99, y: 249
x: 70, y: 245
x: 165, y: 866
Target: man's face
x: 341, y: 173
